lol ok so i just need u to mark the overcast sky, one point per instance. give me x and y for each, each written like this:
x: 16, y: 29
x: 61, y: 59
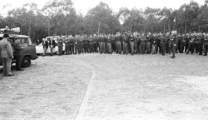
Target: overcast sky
x: 84, y: 5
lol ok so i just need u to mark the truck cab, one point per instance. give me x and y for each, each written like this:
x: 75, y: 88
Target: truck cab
x: 28, y: 52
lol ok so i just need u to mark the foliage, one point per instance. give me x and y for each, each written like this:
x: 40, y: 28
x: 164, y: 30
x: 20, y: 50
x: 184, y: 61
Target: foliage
x: 58, y: 17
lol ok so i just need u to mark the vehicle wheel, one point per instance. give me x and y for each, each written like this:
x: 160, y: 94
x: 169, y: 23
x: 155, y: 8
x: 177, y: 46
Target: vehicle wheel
x: 26, y: 62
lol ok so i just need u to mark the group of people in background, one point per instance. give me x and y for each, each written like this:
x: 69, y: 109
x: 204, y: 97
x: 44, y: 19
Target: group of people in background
x: 130, y: 43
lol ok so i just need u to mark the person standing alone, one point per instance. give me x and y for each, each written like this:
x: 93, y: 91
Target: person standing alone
x: 6, y: 55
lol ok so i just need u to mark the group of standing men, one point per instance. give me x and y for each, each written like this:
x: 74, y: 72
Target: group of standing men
x: 131, y: 43
x: 10, y: 49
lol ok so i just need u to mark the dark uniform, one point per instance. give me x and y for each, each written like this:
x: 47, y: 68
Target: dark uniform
x: 162, y: 45
x: 91, y: 45
x: 86, y: 45
x: 200, y: 44
x: 109, y: 45
x: 96, y: 44
x: 45, y: 47
x: 157, y: 44
x: 142, y: 44
x: 190, y: 44
x: 52, y: 45
x: 79, y: 46
x: 136, y: 40
x: 180, y: 44
x: 148, y: 45
x: 205, y: 45
x: 173, y: 46
x: 125, y: 44
x: 66, y: 42
x: 167, y: 44
x: 60, y: 46
x: 76, y: 45
x: 132, y: 44
x: 101, y: 40
x: 18, y: 55
x: 118, y: 40
x: 154, y: 45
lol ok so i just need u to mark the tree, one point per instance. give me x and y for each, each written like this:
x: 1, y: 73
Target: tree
x: 101, y: 15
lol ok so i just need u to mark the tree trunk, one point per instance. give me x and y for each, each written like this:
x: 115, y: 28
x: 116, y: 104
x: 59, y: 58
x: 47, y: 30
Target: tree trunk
x: 185, y: 27
x: 164, y: 26
x: 49, y: 27
x: 99, y: 24
x: 169, y: 28
x: 29, y: 30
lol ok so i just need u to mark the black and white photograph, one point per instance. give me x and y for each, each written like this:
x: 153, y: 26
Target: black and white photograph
x: 103, y: 60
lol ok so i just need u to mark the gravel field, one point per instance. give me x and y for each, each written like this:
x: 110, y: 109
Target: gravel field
x: 108, y: 87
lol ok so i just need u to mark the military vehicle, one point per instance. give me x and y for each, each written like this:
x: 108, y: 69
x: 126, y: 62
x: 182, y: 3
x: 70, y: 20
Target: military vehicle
x: 29, y: 51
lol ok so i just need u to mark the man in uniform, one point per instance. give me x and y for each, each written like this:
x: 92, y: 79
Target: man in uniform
x: 142, y: 44
x: 191, y: 44
x: 113, y: 43
x: 118, y: 40
x: 76, y: 45
x: 148, y: 47
x: 79, y: 46
x: 167, y: 43
x: 105, y: 37
x: 6, y: 55
x: 154, y: 44
x: 38, y: 42
x: 180, y: 43
x: 157, y: 38
x: 109, y: 45
x: 173, y: 45
x: 125, y: 44
x: 51, y: 44
x: 96, y: 43
x: 136, y: 43
x: 71, y: 45
x: 60, y: 46
x: 18, y: 54
x: 200, y: 43
x: 86, y: 44
x: 45, y: 46
x: 91, y: 44
x: 162, y: 44
x: 206, y: 44
x: 66, y: 42
x: 132, y: 43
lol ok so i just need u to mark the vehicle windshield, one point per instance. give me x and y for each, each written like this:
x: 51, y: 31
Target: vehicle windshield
x: 25, y: 41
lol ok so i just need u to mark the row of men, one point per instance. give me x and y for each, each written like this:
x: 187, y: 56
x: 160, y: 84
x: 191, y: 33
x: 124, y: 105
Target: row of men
x: 131, y: 43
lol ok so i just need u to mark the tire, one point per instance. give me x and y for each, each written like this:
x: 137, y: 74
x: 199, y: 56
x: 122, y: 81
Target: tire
x: 26, y: 61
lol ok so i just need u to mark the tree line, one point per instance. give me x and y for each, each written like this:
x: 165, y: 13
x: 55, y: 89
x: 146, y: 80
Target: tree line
x: 59, y: 17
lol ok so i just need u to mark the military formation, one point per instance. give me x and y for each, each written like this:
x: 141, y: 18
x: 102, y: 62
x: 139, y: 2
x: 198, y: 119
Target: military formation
x: 131, y: 43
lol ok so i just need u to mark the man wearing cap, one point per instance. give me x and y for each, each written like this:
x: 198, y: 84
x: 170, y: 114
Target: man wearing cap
x: 6, y: 55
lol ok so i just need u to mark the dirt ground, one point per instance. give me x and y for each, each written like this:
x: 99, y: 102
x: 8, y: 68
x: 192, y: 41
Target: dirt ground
x: 108, y: 87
